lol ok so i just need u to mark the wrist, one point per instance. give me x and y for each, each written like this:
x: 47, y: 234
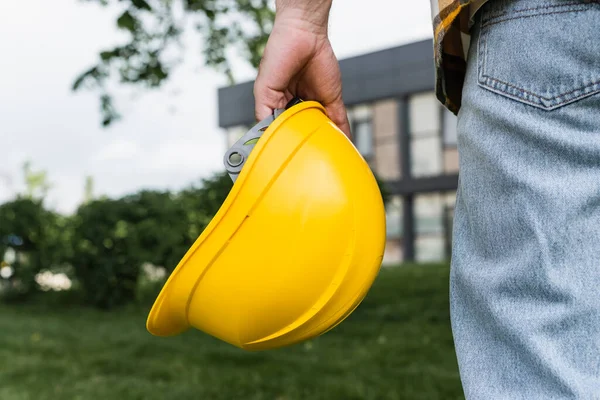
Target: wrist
x: 308, y: 15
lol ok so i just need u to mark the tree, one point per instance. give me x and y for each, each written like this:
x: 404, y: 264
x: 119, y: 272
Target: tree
x: 88, y: 189
x: 36, y: 182
x: 115, y: 237
x: 161, y: 224
x: 154, y: 48
x: 105, y: 256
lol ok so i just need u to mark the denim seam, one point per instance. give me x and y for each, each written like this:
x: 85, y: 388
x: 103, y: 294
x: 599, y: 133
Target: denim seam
x: 491, y: 18
x: 524, y: 91
x: 497, y: 21
x: 521, y: 94
x: 533, y: 99
x: 482, y: 60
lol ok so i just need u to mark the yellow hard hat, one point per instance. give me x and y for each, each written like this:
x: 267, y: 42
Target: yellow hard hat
x: 294, y: 248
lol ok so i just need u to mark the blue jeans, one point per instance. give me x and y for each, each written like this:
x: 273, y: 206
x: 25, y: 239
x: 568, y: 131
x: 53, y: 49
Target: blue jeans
x: 525, y: 276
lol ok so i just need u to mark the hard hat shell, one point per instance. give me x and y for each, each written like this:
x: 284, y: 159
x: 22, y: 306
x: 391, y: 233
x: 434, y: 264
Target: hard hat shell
x: 294, y: 248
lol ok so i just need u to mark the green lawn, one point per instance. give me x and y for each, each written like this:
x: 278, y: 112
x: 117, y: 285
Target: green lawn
x: 396, y: 345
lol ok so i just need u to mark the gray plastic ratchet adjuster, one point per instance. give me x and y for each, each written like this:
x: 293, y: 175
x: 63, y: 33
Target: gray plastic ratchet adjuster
x: 238, y: 154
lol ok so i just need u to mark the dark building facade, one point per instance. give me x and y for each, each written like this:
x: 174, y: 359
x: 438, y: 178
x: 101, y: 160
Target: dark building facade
x: 403, y: 132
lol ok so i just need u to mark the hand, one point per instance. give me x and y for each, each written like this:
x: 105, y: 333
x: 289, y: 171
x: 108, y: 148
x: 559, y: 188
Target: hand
x: 299, y: 61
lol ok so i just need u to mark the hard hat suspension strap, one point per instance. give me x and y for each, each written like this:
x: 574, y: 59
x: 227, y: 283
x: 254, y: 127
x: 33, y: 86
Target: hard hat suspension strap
x: 236, y: 155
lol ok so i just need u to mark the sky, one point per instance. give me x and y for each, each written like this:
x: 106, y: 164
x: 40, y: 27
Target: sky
x: 167, y: 139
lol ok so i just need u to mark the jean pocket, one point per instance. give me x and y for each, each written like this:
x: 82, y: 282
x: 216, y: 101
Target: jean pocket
x: 544, y: 54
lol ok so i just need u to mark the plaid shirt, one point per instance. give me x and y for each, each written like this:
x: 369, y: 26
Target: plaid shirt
x: 452, y: 20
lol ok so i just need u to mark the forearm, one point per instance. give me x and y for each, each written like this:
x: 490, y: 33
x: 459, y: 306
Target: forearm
x: 311, y: 15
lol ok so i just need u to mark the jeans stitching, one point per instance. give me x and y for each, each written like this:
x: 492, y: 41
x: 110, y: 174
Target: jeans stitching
x: 491, y: 16
x: 537, y: 96
x: 497, y: 21
x: 483, y: 48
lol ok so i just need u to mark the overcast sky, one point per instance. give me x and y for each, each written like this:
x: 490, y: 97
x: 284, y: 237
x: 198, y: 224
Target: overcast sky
x: 167, y: 139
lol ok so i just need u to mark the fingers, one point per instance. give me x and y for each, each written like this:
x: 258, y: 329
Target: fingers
x: 266, y: 99
x: 265, y: 102
x: 336, y: 111
x: 281, y: 62
x: 344, y: 125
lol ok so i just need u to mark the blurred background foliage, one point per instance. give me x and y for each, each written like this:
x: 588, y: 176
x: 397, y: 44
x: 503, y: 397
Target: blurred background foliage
x: 107, y: 247
x: 155, y: 47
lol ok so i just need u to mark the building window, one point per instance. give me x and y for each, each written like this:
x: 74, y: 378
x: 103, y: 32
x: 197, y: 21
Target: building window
x: 393, y: 211
x: 434, y: 218
x: 394, y: 228
x: 430, y: 243
x: 361, y: 125
x: 386, y: 148
x: 425, y: 135
x: 450, y: 121
x: 363, y: 136
x: 451, y: 163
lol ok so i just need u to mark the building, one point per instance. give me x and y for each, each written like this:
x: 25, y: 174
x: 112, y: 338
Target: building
x: 403, y: 132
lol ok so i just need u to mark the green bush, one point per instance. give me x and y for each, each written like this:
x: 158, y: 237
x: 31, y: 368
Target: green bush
x: 104, y: 253
x: 150, y: 283
x: 104, y: 245
x: 113, y: 238
x: 39, y: 239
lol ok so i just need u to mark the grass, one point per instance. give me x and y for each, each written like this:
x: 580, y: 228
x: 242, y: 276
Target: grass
x: 396, y: 345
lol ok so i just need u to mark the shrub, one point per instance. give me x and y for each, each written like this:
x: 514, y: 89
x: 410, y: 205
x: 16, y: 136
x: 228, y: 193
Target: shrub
x: 38, y: 239
x: 114, y: 238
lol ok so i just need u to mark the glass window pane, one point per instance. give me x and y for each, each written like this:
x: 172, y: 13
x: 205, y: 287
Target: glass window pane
x: 362, y: 111
x: 450, y: 198
x: 430, y: 248
x: 424, y: 114
x: 426, y: 157
x: 393, y: 211
x: 363, y: 134
x: 430, y: 243
x: 429, y: 213
x: 450, y: 135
